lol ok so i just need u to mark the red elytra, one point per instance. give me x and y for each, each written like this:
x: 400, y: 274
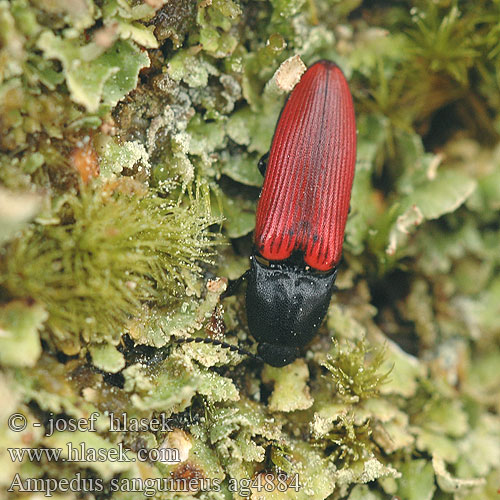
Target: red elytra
x: 305, y: 198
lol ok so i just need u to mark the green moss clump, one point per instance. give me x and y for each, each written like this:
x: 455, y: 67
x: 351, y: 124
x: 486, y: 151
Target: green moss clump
x: 103, y: 254
x: 353, y: 443
x: 356, y: 378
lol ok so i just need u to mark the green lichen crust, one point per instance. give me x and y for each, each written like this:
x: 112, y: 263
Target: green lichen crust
x: 130, y: 133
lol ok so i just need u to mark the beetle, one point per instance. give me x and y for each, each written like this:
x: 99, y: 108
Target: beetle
x: 301, y: 214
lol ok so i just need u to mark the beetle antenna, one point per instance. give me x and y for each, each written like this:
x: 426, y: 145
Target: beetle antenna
x: 233, y: 285
x: 224, y: 345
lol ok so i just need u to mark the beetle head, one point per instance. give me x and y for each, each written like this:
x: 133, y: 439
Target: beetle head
x: 277, y: 355
x: 286, y: 304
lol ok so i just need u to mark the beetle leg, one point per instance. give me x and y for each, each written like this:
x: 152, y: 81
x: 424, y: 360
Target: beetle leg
x: 233, y: 285
x: 262, y: 165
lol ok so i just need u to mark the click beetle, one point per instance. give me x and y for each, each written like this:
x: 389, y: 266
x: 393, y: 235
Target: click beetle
x: 301, y: 214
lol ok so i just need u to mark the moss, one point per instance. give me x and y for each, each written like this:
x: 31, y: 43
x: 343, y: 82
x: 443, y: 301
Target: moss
x: 354, y: 378
x: 103, y: 253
